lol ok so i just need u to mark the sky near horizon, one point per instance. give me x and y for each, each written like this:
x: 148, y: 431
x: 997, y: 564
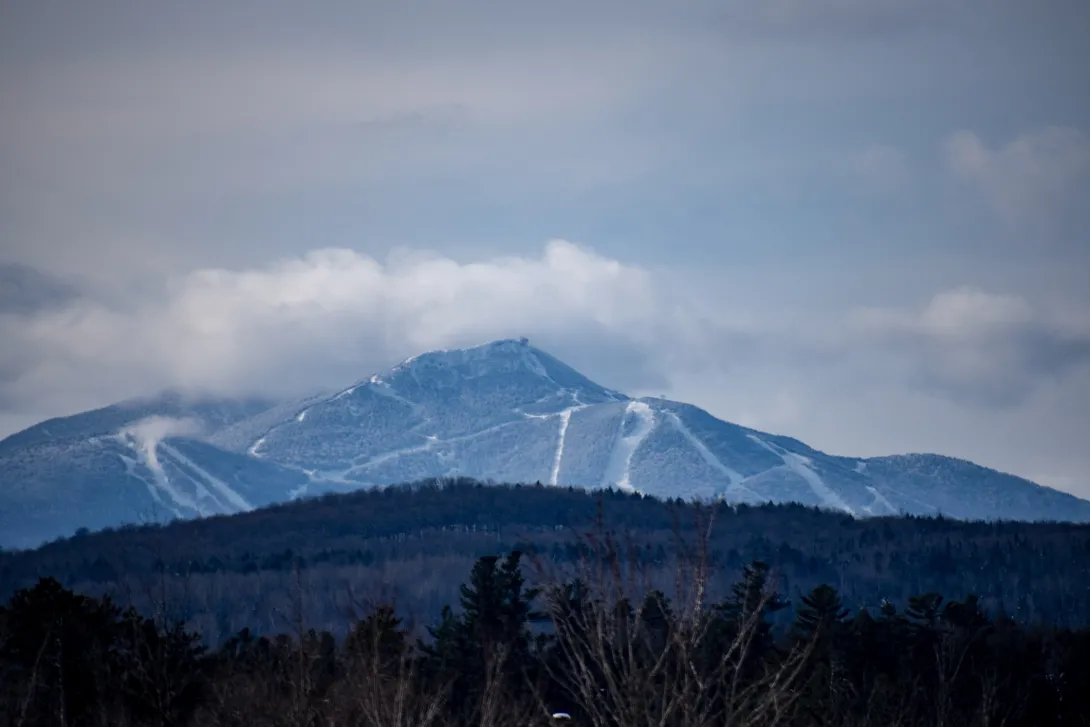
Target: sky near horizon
x: 862, y: 223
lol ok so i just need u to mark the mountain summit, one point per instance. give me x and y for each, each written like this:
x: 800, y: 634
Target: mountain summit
x: 503, y: 411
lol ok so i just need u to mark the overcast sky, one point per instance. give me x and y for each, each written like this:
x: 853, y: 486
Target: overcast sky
x: 863, y: 223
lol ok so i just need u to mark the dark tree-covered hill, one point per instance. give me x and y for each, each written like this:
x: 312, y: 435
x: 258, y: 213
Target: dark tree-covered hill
x: 413, y: 544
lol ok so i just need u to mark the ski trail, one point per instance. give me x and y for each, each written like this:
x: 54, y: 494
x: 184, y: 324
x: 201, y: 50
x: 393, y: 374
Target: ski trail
x: 565, y: 420
x: 130, y: 471
x: 431, y: 444
x: 148, y: 454
x: 619, y: 470
x: 215, y: 483
x: 735, y: 478
x: 801, y: 466
x: 376, y: 385
x: 880, y: 499
x: 382, y: 387
x: 387, y: 456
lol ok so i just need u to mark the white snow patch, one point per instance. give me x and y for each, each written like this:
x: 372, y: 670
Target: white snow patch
x: 347, y: 392
x: 301, y: 416
x: 860, y: 466
x: 254, y: 450
x: 619, y: 470
x: 801, y: 466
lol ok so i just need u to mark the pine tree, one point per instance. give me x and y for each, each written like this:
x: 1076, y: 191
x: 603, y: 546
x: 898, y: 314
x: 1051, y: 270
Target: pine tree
x: 821, y: 613
x: 490, y: 637
x: 820, y: 619
x: 378, y: 640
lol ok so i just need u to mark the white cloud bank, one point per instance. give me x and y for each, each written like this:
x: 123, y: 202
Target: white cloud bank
x: 334, y: 316
x: 329, y: 317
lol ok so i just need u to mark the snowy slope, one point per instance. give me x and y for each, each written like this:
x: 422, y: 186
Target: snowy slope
x: 503, y: 411
x: 508, y: 411
x: 139, y: 461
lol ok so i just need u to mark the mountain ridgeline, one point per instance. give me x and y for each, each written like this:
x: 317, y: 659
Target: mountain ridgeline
x: 504, y: 411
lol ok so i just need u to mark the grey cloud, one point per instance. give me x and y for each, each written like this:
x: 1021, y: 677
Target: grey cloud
x: 975, y: 348
x: 334, y: 316
x: 25, y: 290
x: 999, y: 373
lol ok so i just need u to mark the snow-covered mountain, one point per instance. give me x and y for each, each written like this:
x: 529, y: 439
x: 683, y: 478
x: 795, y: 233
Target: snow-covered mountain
x: 136, y: 461
x: 504, y: 411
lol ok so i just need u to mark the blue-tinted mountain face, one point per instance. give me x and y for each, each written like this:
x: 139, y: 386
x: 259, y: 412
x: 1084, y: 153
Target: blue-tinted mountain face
x: 504, y: 411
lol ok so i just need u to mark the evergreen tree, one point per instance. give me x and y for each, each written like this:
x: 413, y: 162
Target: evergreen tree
x: 378, y: 640
x: 490, y: 637
x: 821, y: 614
x: 820, y: 621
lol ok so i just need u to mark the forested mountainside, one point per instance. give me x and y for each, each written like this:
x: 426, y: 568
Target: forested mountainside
x: 411, y: 545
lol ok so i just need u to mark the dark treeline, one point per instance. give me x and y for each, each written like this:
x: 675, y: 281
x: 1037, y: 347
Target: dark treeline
x: 410, y: 546
x: 598, y: 646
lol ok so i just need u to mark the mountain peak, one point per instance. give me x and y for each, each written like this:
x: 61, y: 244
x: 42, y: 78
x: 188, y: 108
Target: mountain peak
x: 498, y: 347
x: 501, y: 357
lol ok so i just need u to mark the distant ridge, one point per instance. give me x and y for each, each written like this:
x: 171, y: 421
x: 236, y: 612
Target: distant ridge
x: 504, y: 411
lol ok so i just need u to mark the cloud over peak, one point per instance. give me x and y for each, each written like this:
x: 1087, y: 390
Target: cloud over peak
x: 329, y: 316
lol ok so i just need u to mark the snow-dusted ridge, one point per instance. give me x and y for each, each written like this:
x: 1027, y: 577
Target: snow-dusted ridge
x: 502, y: 411
x: 420, y: 407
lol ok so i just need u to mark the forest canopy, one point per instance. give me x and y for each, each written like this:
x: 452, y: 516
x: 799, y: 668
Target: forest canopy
x: 409, y: 546
x: 600, y: 649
